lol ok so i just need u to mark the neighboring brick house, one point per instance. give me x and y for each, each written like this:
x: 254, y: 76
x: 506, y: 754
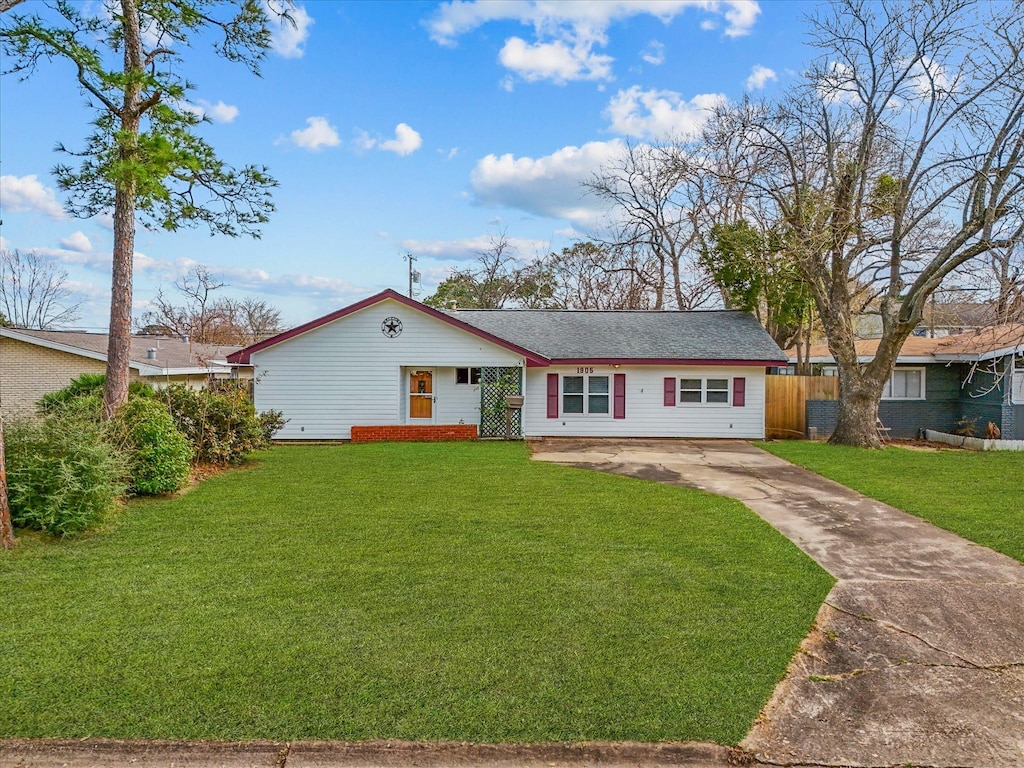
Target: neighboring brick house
x: 977, y: 376
x: 33, y: 363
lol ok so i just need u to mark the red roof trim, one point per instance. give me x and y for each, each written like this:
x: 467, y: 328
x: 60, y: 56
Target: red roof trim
x: 533, y: 360
x: 659, y: 361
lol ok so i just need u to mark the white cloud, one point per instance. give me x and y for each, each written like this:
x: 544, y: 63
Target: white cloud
x: 468, y: 248
x: 654, y: 53
x: 26, y: 194
x: 659, y: 114
x: 407, y: 140
x: 317, y: 135
x: 548, y: 186
x: 759, y: 77
x: 557, y: 61
x: 288, y: 37
x: 567, y: 32
x: 77, y: 241
x: 218, y: 113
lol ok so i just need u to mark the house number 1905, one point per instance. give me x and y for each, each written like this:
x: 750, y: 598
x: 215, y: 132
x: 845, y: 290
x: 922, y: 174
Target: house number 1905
x: 584, y: 370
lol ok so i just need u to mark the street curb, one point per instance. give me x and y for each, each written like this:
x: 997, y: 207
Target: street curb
x: 113, y: 753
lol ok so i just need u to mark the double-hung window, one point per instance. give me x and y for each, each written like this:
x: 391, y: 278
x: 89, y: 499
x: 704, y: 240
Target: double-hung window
x: 704, y: 391
x: 905, y: 384
x: 585, y: 395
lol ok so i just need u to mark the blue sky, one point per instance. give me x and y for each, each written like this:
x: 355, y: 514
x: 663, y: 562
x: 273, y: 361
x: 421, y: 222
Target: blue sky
x: 399, y: 127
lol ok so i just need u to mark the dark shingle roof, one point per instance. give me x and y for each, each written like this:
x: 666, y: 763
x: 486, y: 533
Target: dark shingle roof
x: 577, y: 334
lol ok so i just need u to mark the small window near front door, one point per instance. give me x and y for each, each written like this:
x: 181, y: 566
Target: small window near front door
x: 467, y: 376
x: 421, y: 394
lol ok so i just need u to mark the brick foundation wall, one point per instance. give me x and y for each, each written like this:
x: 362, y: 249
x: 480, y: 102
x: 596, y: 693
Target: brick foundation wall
x: 406, y: 433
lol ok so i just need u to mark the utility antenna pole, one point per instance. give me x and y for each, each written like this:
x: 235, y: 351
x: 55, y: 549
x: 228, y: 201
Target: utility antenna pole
x: 414, y: 275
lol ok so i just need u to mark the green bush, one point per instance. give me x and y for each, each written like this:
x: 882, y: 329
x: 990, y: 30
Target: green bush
x: 221, y: 423
x: 62, y: 475
x: 86, y: 385
x: 158, y: 454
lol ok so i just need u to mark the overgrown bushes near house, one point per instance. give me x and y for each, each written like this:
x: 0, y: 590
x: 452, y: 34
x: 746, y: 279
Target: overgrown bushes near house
x: 221, y: 423
x: 67, y: 467
x: 157, y: 453
x: 63, y: 475
x: 86, y: 385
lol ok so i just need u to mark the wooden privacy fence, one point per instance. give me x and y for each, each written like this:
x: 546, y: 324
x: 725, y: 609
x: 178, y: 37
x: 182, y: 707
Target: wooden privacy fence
x: 785, y: 402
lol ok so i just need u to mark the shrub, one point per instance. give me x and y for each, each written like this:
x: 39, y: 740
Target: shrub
x: 221, y: 423
x: 157, y: 453
x: 62, y: 475
x: 86, y: 385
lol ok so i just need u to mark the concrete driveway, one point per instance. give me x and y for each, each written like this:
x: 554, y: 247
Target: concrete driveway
x: 917, y: 655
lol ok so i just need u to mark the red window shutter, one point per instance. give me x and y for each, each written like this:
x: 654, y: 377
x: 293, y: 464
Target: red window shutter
x: 670, y: 391
x: 552, y: 395
x: 739, y: 391
x: 620, y: 395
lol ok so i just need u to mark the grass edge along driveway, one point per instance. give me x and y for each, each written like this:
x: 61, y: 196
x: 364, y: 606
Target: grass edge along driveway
x: 413, y: 591
x: 977, y: 495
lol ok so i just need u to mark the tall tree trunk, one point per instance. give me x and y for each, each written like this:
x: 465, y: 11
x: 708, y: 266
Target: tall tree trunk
x: 7, y: 539
x: 115, y: 391
x: 857, y: 420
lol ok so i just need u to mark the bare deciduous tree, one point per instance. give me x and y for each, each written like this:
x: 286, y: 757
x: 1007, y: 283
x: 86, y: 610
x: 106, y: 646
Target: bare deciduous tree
x: 594, y: 276
x: 895, y: 161
x: 207, y: 318
x: 497, y: 279
x: 654, y: 191
x: 33, y: 291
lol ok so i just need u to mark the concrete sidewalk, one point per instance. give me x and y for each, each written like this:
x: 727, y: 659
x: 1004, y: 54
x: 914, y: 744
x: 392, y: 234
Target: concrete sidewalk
x: 917, y: 656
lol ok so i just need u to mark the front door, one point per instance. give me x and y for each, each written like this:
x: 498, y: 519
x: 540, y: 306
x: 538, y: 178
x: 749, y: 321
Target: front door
x: 421, y: 396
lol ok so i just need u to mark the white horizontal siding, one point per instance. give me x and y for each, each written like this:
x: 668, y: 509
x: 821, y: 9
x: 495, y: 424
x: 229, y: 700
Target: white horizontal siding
x: 456, y: 403
x: 348, y: 373
x: 646, y: 414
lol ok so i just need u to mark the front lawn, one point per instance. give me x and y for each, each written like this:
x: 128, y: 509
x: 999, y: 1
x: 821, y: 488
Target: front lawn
x: 979, y: 496
x: 455, y: 591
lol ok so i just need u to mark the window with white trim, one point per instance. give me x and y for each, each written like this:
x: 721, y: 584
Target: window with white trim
x: 704, y: 391
x: 905, y: 384
x: 586, y: 395
x: 467, y: 376
x: 1017, y: 384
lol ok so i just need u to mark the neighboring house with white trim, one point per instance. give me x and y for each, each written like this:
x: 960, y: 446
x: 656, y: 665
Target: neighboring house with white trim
x: 389, y: 365
x: 977, y: 376
x: 33, y: 363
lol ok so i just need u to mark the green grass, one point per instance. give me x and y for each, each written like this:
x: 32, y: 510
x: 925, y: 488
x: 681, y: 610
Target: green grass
x: 979, y: 496
x: 455, y: 591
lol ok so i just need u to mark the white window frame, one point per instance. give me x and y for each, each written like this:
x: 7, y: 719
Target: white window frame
x: 704, y: 390
x: 832, y: 370
x: 1017, y: 380
x: 469, y: 375
x: 887, y: 392
x: 586, y: 394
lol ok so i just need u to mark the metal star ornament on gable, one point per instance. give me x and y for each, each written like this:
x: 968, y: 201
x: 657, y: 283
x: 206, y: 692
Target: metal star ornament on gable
x: 391, y: 327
